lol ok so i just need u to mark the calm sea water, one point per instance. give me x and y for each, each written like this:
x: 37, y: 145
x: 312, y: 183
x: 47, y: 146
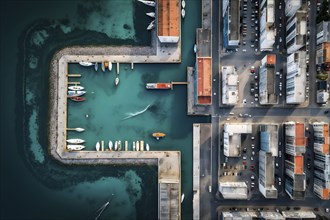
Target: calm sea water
x: 33, y: 185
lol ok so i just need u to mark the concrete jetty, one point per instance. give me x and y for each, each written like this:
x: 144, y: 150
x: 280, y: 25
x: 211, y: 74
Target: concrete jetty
x: 169, y: 162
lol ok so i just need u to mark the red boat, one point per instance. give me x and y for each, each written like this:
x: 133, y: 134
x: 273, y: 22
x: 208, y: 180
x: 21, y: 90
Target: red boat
x: 159, y: 86
x: 77, y: 99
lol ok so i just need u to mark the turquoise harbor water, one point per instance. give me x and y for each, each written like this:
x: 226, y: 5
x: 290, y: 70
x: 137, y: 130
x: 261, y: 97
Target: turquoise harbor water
x: 33, y: 185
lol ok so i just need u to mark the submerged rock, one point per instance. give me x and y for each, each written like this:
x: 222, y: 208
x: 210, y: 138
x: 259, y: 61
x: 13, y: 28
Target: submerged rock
x: 127, y: 27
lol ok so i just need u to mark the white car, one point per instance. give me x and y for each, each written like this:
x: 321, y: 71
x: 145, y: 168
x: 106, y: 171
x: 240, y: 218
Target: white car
x: 244, y: 50
x: 280, y: 38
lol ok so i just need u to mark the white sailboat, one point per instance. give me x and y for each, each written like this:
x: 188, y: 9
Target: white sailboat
x: 96, y: 66
x: 183, y: 13
x: 116, y: 145
x: 147, y: 147
x: 133, y: 145
x: 151, y: 25
x: 97, y: 146
x: 75, y: 147
x: 119, y: 145
x: 151, y: 14
x: 110, y: 145
x: 149, y: 3
x: 110, y: 66
x: 103, y: 67
x: 183, y: 4
x: 75, y: 141
x: 76, y: 88
x: 117, y: 81
x: 137, y: 146
x: 84, y: 63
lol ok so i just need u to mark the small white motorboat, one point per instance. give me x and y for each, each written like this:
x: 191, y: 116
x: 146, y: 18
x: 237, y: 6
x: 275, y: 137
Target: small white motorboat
x: 76, y: 88
x: 147, y: 147
x: 110, y: 66
x: 149, y: 3
x: 182, y: 197
x: 75, y: 141
x: 75, y: 147
x: 79, y: 129
x: 110, y: 145
x: 137, y: 145
x: 151, y: 14
x: 151, y: 25
x: 117, y: 81
x: 97, y: 146
x: 116, y: 145
x: 76, y: 93
x: 96, y: 66
x: 183, y: 4
x: 83, y: 63
x: 195, y: 48
x: 133, y: 145
x: 183, y: 13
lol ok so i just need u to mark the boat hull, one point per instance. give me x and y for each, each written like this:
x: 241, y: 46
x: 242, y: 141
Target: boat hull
x: 75, y: 141
x: 158, y: 135
x: 76, y: 93
x: 71, y: 147
x: 76, y: 88
x: 117, y: 81
x: 83, y: 63
x: 97, y: 146
x: 110, y: 66
x: 159, y: 86
x: 77, y: 99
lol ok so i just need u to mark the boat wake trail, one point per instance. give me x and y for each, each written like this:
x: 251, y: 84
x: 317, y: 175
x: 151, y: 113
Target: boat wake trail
x: 131, y: 115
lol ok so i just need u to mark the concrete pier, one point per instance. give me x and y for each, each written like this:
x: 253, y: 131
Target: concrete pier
x: 169, y: 162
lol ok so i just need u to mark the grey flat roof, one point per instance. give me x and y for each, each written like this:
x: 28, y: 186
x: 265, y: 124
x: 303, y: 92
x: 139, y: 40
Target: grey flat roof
x: 203, y: 40
x: 234, y: 20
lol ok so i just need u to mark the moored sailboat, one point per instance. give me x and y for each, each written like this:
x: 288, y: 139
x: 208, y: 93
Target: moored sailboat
x: 97, y: 146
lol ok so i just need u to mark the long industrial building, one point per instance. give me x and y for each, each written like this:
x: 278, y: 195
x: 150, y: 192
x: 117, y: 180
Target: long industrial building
x: 203, y: 70
x: 268, y: 152
x: 321, y: 160
x: 296, y: 78
x: 292, y: 6
x: 267, y: 25
x: 267, y: 93
x: 231, y: 23
x: 295, y: 147
x: 296, y: 31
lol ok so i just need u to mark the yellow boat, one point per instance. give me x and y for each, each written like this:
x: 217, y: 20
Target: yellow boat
x: 158, y: 135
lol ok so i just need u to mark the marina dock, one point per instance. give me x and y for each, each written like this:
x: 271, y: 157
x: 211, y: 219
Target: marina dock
x: 169, y: 162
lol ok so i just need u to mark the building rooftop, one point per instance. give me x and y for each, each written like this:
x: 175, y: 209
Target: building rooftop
x: 233, y: 190
x: 298, y: 214
x: 168, y: 20
x: 204, y: 81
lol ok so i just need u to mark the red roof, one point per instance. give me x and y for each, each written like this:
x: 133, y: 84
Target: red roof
x: 204, y: 85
